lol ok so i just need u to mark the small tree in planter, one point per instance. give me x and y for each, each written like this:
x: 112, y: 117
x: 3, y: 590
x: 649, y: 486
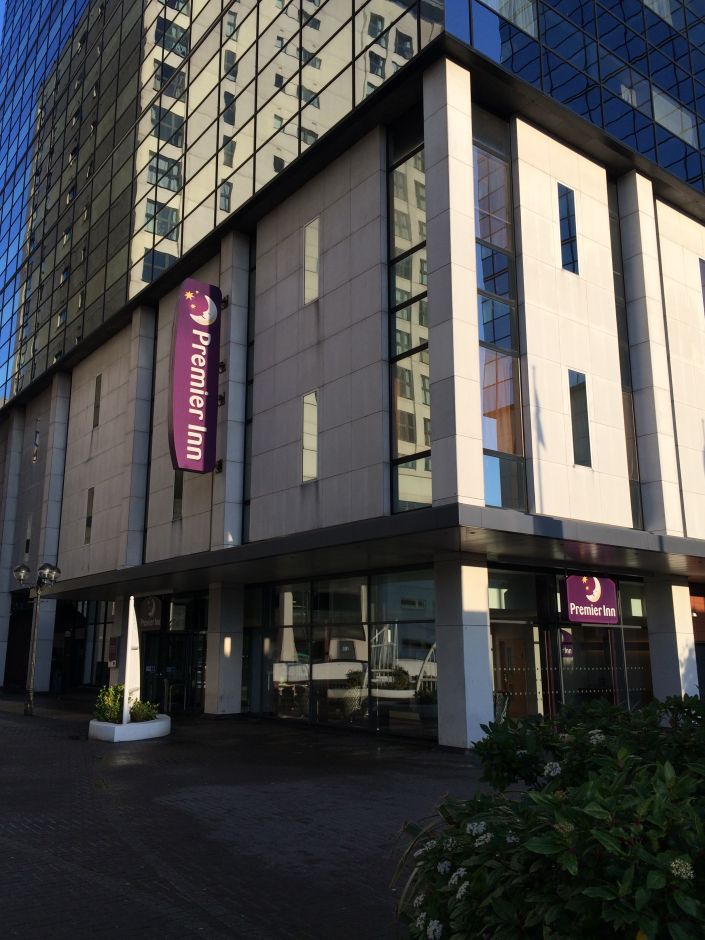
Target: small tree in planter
x: 108, y: 706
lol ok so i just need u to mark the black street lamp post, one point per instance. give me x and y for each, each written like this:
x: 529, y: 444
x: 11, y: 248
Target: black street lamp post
x: 47, y: 575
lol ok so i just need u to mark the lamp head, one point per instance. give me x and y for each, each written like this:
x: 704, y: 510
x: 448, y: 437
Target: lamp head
x: 21, y: 573
x: 48, y: 574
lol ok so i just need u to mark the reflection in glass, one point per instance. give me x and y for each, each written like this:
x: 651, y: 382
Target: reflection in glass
x: 501, y: 414
x: 404, y: 678
x: 339, y: 673
x: 412, y: 484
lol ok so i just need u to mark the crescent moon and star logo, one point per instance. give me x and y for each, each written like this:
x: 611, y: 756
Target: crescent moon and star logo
x: 596, y: 593
x: 208, y: 316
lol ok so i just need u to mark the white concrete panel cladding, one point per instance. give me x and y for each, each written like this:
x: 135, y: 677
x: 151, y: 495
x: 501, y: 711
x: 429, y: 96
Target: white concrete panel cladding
x: 682, y: 244
x: 570, y: 324
x: 336, y: 344
x: 653, y: 412
x: 456, y: 429
x: 97, y: 457
x: 171, y: 534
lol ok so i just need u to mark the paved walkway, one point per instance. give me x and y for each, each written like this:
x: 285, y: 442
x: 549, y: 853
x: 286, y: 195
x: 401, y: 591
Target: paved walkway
x: 229, y: 828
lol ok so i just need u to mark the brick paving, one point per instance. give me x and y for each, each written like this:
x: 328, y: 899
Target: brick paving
x: 229, y: 828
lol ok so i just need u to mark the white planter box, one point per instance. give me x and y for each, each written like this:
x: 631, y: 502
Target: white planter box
x: 133, y: 731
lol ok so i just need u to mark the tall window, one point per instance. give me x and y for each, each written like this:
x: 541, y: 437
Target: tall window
x: 579, y: 418
x: 309, y: 438
x: 178, y: 496
x: 96, y: 400
x: 569, y: 239
x: 171, y: 83
x: 502, y: 435
x: 228, y: 150
x: 409, y: 356
x: 702, y: 279
x: 311, y: 260
x: 89, y: 516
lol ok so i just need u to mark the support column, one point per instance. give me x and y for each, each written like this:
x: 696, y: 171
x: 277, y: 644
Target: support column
x: 456, y: 429
x: 226, y: 528
x: 52, y: 498
x: 8, y: 508
x: 138, y: 421
x: 653, y: 411
x: 129, y: 673
x: 674, y: 670
x: 463, y: 652
x: 224, y: 651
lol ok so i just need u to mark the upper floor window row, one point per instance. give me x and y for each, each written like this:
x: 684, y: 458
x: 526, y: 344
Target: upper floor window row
x: 569, y: 238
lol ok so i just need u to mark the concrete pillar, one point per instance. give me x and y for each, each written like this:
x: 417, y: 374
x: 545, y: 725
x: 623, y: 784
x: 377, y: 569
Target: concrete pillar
x: 456, y: 429
x: 674, y: 669
x: 656, y: 442
x: 224, y: 652
x: 52, y: 499
x: 8, y: 515
x: 226, y: 525
x: 138, y: 419
x: 463, y: 652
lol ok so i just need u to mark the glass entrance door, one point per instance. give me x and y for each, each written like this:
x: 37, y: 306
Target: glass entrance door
x: 526, y: 678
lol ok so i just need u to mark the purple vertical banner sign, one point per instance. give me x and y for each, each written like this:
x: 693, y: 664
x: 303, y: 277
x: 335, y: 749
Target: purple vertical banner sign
x: 591, y: 600
x: 193, y: 390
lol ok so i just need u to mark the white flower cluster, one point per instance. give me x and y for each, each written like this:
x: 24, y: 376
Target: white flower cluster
x: 449, y: 844
x: 512, y: 839
x: 418, y: 900
x: 682, y: 868
x: 421, y: 921
x: 552, y: 769
x: 476, y: 828
x: 434, y: 930
x: 596, y: 736
x: 462, y: 891
x: 443, y: 867
x: 456, y: 876
x: 431, y: 844
x: 521, y: 752
x: 483, y: 839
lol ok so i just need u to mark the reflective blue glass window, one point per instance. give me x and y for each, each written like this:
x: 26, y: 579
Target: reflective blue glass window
x: 569, y: 240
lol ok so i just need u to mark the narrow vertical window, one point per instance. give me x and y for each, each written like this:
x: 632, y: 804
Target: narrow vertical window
x: 311, y: 260
x: 702, y: 279
x: 178, y: 501
x: 309, y: 437
x: 569, y: 240
x: 89, y: 516
x: 35, y: 446
x: 96, y: 400
x: 579, y: 418
x: 28, y: 538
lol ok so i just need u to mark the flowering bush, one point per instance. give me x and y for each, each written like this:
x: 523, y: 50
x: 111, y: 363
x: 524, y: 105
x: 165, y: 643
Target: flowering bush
x: 607, y: 843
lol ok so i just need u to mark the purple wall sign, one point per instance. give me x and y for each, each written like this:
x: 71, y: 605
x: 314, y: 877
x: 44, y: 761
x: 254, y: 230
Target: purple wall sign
x: 591, y: 600
x: 193, y: 392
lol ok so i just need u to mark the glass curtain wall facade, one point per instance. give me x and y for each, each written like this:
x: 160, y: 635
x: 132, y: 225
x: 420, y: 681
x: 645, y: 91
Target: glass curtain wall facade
x: 408, y: 341
x: 356, y: 650
x: 635, y: 69
x: 500, y: 362
x: 542, y: 661
x: 132, y: 129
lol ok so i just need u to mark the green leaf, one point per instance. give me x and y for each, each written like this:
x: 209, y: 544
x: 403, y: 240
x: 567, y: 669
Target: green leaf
x: 607, y: 894
x: 569, y: 862
x: 669, y: 773
x: 543, y: 845
x: 687, y: 903
x: 596, y: 811
x: 680, y: 933
x: 655, y: 880
x: 607, y: 841
x: 641, y: 898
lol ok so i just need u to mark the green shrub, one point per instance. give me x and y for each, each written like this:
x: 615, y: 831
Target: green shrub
x: 143, y: 711
x: 607, y: 841
x: 108, y: 706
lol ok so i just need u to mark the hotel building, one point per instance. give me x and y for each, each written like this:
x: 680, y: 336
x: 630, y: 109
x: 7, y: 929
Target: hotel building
x: 459, y: 458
